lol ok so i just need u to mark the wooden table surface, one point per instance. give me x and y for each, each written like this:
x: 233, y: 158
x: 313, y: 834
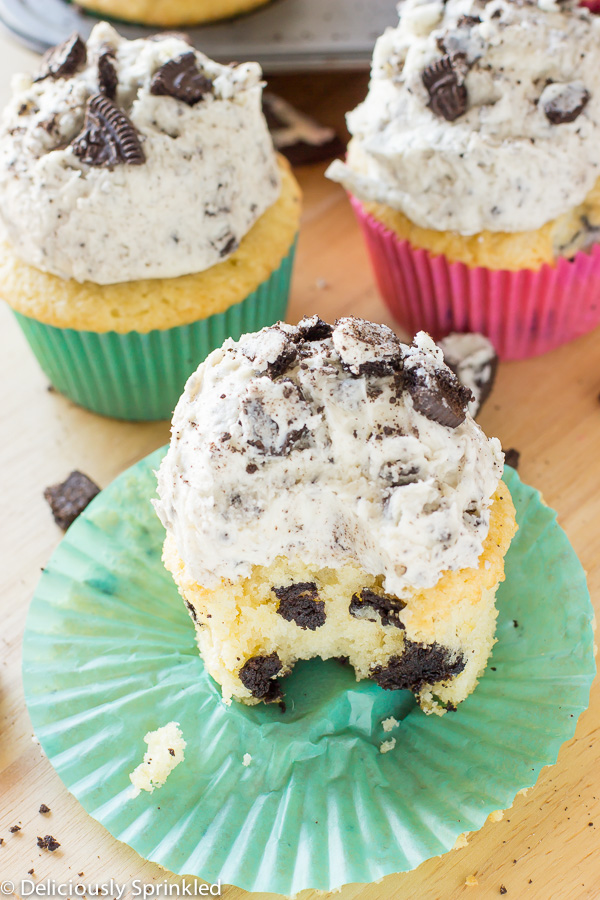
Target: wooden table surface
x: 547, y: 845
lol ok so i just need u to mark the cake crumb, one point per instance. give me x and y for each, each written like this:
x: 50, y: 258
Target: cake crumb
x: 389, y: 723
x: 247, y: 759
x: 496, y: 816
x: 461, y: 841
x: 386, y: 746
x: 471, y: 881
x: 159, y: 761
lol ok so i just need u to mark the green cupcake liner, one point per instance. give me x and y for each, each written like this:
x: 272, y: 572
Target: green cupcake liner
x: 138, y: 376
x: 109, y: 654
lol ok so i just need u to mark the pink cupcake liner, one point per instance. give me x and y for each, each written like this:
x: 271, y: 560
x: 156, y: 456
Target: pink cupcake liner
x: 592, y: 5
x: 524, y: 313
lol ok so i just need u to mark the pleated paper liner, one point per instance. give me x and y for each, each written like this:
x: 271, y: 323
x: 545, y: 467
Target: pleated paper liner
x: 109, y: 654
x: 523, y: 313
x: 139, y: 377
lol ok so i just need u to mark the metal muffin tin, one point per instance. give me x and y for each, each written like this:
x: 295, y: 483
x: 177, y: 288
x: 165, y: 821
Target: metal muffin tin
x: 285, y: 36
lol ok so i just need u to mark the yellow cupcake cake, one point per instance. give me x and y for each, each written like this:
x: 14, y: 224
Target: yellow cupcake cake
x: 327, y: 494
x: 168, y: 13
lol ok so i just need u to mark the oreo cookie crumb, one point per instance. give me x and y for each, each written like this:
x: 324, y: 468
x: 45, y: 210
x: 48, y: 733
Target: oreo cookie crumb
x: 107, y: 75
x: 180, y: 78
x: 512, y: 457
x: 191, y: 610
x: 171, y: 751
x: 366, y: 348
x: 14, y: 828
x: 108, y: 138
x: 420, y: 664
x: 503, y: 889
x: 251, y: 468
x: 438, y: 395
x: 68, y: 499
x: 467, y: 21
x: 445, y: 86
x: 312, y: 328
x: 31, y: 871
x: 48, y: 843
x: 63, y: 60
x: 44, y: 809
x: 299, y: 603
x: 257, y: 676
x: 383, y: 607
x: 567, y: 105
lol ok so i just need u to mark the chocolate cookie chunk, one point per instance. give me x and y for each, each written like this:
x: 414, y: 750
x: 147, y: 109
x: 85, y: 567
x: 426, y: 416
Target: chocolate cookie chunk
x: 366, y: 604
x: 107, y: 74
x: 63, y: 60
x: 444, y: 81
x: 419, y: 664
x: 312, y: 328
x: 565, y: 103
x: 437, y: 393
x: 257, y: 676
x: 180, y: 78
x: 365, y: 348
x: 68, y: 499
x: 108, y: 138
x: 272, y: 352
x: 300, y: 603
x: 48, y: 843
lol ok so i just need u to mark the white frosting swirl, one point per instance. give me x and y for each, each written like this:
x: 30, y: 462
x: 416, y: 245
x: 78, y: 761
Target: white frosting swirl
x: 502, y: 165
x: 210, y: 169
x: 292, y: 442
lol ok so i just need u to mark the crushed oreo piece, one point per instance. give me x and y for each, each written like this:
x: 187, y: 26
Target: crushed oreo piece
x: 257, y: 676
x: 228, y: 245
x: 512, y: 458
x: 564, y: 103
x: 263, y: 432
x: 171, y: 751
x: 14, y: 828
x: 366, y: 604
x: 312, y: 328
x: 108, y: 138
x: 272, y: 351
x: 192, y: 610
x: 474, y: 361
x: 44, y: 809
x: 107, y: 74
x: 300, y: 603
x: 68, y: 499
x: 297, y: 136
x: 436, y: 392
x: 63, y: 60
x: 48, y: 843
x: 180, y: 78
x: 467, y: 21
x: 420, y: 664
x: 444, y: 81
x: 365, y: 348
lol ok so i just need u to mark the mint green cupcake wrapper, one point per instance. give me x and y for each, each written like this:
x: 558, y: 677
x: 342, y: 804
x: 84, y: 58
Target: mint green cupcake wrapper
x: 109, y: 654
x: 139, y: 376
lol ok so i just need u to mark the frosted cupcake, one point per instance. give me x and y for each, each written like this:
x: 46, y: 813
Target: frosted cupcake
x: 474, y: 168
x: 171, y: 12
x: 337, y: 500
x: 147, y: 216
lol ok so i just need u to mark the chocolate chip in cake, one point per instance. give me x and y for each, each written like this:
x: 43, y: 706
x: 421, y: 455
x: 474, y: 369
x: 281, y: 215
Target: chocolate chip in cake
x: 48, y: 843
x: 63, y: 60
x: 438, y: 394
x: 419, y: 664
x: 365, y: 348
x: 564, y: 103
x: 180, y: 78
x: 367, y: 604
x: 44, y: 809
x: 68, y: 499
x: 300, y: 603
x: 107, y: 74
x: 512, y: 457
x: 257, y: 676
x: 444, y: 80
x: 108, y: 138
x: 312, y: 328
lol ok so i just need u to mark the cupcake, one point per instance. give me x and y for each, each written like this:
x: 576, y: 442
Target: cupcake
x: 170, y: 12
x: 146, y: 216
x: 474, y: 170
x: 327, y: 494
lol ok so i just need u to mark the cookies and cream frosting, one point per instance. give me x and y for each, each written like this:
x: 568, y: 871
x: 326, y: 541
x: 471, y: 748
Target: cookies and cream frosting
x: 327, y: 444
x: 480, y: 116
x: 122, y: 160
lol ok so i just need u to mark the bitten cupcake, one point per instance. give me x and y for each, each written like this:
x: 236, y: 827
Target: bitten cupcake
x: 474, y: 170
x: 327, y: 494
x: 171, y: 12
x: 147, y: 216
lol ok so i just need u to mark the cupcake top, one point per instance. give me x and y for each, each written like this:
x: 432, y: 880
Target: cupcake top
x: 123, y: 160
x: 328, y: 444
x: 480, y: 116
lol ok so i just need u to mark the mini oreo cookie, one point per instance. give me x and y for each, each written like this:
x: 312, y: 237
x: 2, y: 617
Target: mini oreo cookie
x: 444, y: 82
x: 257, y: 676
x: 420, y: 664
x: 180, y: 78
x: 63, y: 60
x: 300, y: 603
x: 69, y: 498
x: 108, y: 138
x: 565, y: 104
x: 366, y: 604
x: 107, y: 74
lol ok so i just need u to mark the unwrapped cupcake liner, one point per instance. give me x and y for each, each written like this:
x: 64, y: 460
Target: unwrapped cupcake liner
x: 138, y: 376
x: 524, y: 313
x: 109, y: 654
